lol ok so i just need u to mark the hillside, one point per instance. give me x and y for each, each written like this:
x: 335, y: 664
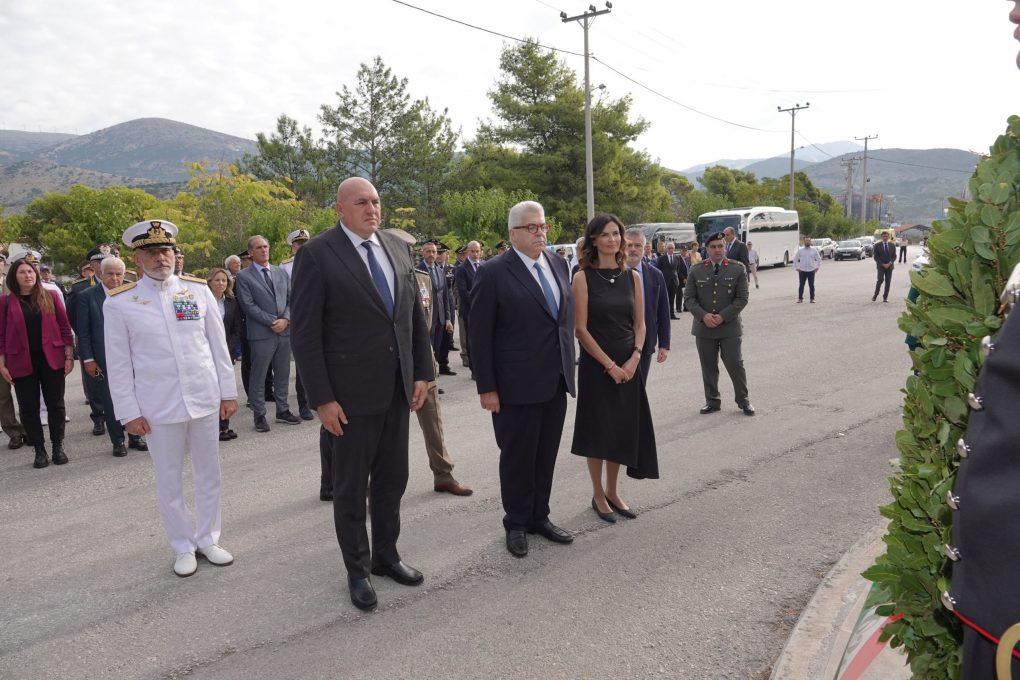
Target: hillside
x: 153, y: 148
x: 19, y: 145
x: 22, y: 181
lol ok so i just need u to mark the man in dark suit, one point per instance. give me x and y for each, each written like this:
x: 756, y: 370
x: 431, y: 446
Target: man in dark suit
x: 736, y: 250
x: 92, y: 349
x: 362, y: 345
x: 657, y: 328
x: 465, y: 279
x: 442, y: 305
x: 675, y: 272
x: 89, y: 280
x: 522, y: 351
x: 885, y: 259
x: 263, y: 292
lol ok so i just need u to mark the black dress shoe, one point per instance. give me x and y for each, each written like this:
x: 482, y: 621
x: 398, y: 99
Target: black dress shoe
x: 224, y: 437
x: 99, y: 428
x: 552, y: 532
x: 517, y: 542
x: 119, y: 450
x: 621, y: 511
x: 233, y: 435
x: 59, y: 457
x: 305, y: 413
x: 708, y: 408
x: 362, y: 593
x: 326, y: 496
x: 747, y: 409
x: 399, y: 572
x: 673, y: 316
x: 445, y: 370
x: 16, y: 442
x: 604, y: 516
x: 137, y: 443
x: 260, y: 424
x: 287, y: 418
x: 42, y: 458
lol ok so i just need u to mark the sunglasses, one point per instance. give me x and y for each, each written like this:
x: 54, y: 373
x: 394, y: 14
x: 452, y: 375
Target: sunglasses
x: 534, y: 229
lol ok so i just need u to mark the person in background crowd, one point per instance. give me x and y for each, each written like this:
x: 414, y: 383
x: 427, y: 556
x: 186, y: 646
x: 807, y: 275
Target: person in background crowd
x: 179, y: 262
x: 95, y: 256
x: 92, y: 349
x: 735, y: 249
x: 451, y: 286
x: 354, y: 296
x: 46, y: 274
x: 613, y: 423
x: 222, y: 288
x: 8, y: 420
x: 263, y: 291
x: 465, y: 279
x: 232, y: 265
x: 165, y: 324
x: 806, y: 263
x: 653, y: 288
x: 675, y: 272
x: 716, y: 293
x: 442, y: 312
x: 885, y: 257
x: 295, y: 240
x: 36, y: 353
x: 697, y: 253
x: 501, y: 247
x: 903, y: 249
x: 245, y: 259
x: 647, y: 257
x: 522, y: 351
x: 753, y: 260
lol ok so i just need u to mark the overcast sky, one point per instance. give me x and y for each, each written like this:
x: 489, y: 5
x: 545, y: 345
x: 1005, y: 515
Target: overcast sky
x: 918, y: 74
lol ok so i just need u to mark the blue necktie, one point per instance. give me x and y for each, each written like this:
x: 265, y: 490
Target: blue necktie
x: 269, y: 281
x: 550, y: 299
x: 379, y: 279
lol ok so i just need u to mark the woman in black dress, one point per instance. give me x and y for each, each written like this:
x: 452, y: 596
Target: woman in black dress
x: 222, y: 288
x: 613, y: 424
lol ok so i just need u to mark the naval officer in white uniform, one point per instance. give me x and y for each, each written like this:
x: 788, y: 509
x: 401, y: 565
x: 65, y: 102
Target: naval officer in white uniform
x: 295, y: 240
x: 171, y: 378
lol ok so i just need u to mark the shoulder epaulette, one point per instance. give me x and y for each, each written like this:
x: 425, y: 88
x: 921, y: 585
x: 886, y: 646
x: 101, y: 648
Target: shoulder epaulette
x: 194, y: 279
x: 287, y: 261
x: 120, y: 289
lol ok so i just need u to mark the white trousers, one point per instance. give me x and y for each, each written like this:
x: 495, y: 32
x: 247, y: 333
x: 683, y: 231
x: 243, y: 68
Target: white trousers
x: 167, y: 445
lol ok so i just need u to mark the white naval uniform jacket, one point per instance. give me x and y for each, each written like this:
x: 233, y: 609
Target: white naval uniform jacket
x: 166, y: 351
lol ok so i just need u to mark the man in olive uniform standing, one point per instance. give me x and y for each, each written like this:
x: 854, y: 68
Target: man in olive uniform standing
x: 716, y: 293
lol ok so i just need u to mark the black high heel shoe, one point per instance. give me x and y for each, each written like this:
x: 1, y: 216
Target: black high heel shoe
x: 604, y: 516
x: 621, y: 511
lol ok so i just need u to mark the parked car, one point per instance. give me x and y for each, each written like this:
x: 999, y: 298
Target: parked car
x: 849, y: 250
x: 920, y: 262
x: 825, y: 246
x: 868, y: 243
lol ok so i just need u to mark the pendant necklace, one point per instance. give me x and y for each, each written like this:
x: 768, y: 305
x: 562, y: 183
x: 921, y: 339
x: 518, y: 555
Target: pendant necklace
x: 611, y: 279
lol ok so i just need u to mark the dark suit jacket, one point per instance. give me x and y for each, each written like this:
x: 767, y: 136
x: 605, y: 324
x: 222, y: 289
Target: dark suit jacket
x: 675, y: 274
x: 345, y: 344
x: 77, y: 288
x: 442, y: 302
x: 885, y: 255
x: 232, y: 323
x: 261, y: 308
x: 517, y: 348
x: 91, y: 340
x: 656, y: 309
x: 738, y: 252
x: 465, y: 278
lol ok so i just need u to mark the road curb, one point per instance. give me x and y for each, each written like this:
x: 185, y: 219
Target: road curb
x: 817, y: 645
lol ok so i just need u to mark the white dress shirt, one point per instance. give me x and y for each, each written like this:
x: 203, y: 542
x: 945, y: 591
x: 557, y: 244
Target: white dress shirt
x: 380, y: 255
x: 546, y: 270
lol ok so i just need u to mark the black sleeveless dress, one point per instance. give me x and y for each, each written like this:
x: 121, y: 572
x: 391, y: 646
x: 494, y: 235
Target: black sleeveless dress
x: 613, y: 422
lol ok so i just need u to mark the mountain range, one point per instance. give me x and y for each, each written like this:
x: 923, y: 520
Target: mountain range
x: 155, y: 154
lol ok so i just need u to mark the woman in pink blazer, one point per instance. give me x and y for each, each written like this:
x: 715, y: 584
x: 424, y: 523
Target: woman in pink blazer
x: 36, y: 352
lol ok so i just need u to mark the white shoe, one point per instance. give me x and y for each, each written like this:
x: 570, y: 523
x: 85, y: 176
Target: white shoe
x: 185, y: 564
x: 216, y: 555
x: 67, y: 419
x: 44, y: 421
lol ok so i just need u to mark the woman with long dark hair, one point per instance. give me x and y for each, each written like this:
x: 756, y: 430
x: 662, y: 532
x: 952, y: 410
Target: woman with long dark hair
x: 613, y: 424
x: 36, y: 352
x: 222, y: 287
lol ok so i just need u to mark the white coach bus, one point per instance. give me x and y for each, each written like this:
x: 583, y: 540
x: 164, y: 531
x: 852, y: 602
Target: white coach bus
x: 775, y: 232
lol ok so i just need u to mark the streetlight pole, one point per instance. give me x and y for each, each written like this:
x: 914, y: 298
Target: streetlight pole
x: 864, y: 180
x: 793, y: 127
x: 586, y: 20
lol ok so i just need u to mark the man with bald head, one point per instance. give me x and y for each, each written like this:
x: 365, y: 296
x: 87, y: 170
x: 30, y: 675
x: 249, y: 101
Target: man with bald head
x: 362, y: 346
x: 465, y: 279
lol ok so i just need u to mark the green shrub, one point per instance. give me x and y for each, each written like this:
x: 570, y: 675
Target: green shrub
x: 972, y: 254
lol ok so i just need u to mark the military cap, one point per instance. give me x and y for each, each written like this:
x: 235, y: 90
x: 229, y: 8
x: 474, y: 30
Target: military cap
x: 100, y: 252
x: 45, y: 268
x: 29, y: 256
x: 244, y: 255
x: 442, y: 248
x: 502, y: 244
x: 717, y: 236
x: 462, y: 249
x: 150, y: 234
x: 297, y: 235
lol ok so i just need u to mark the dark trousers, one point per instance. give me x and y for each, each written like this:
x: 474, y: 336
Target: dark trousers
x: 27, y: 388
x: 246, y: 371
x: 709, y: 350
x: 101, y: 388
x: 646, y: 365
x: 371, y: 454
x: 979, y: 657
x: 443, y: 351
x: 299, y: 388
x: 528, y: 436
x: 325, y: 461
x: 671, y: 295
x: 809, y: 277
x: 224, y: 424
x: 886, y: 276
x: 903, y: 254
x: 93, y: 394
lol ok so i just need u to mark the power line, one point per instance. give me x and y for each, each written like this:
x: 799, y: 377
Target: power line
x: 916, y: 165
x: 594, y: 58
x: 812, y: 144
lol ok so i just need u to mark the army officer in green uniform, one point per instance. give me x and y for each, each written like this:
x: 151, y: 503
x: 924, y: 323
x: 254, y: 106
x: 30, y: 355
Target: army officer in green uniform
x: 715, y: 294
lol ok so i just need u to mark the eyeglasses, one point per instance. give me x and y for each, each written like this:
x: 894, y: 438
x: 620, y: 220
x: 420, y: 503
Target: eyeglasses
x: 533, y: 229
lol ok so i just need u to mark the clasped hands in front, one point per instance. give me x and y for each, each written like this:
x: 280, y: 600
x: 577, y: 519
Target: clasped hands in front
x: 713, y: 320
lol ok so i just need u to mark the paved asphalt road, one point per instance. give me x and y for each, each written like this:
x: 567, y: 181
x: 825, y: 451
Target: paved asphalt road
x: 728, y: 547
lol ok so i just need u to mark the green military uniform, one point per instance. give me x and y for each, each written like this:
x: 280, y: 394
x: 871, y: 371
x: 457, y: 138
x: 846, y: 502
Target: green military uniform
x: 723, y: 293
x: 430, y: 417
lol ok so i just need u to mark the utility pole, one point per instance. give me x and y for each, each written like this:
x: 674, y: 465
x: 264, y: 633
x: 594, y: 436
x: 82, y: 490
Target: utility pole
x: 864, y: 180
x: 586, y: 20
x: 848, y: 163
x: 793, y: 127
